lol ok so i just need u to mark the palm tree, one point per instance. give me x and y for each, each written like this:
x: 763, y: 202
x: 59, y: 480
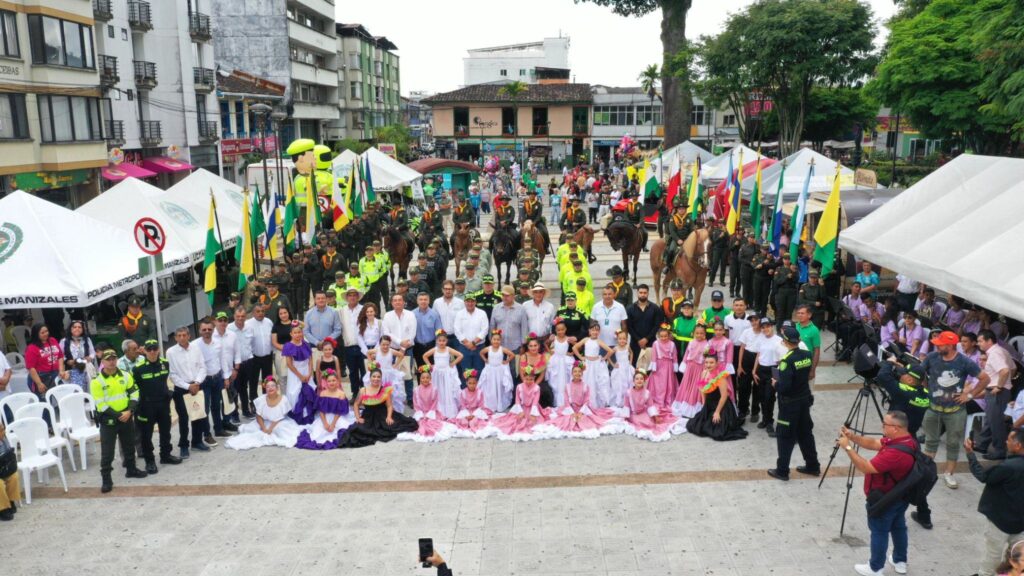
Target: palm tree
x: 514, y: 90
x: 649, y: 80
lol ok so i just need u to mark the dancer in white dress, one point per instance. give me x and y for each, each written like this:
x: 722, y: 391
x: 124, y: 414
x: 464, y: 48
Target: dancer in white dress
x: 300, y: 389
x: 496, y: 378
x: 272, y: 426
x: 622, y: 369
x: 443, y: 362
x: 596, y: 353
x: 388, y: 358
x: 560, y: 363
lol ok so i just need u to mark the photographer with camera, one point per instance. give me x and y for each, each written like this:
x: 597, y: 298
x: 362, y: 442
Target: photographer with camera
x: 894, y: 461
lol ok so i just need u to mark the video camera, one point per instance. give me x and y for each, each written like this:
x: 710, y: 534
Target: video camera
x: 866, y: 363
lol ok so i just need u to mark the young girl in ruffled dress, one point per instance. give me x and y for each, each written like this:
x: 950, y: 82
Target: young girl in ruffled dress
x: 688, y: 401
x: 578, y: 418
x: 560, y: 363
x: 526, y: 419
x: 443, y: 362
x: 662, y: 382
x: 474, y: 417
x: 722, y: 347
x: 432, y: 426
x: 622, y: 369
x: 388, y: 358
x: 272, y: 426
x: 496, y: 378
x: 595, y: 353
x: 332, y: 416
x: 644, y: 420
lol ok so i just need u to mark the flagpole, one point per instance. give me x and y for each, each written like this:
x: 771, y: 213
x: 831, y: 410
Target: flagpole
x: 216, y: 221
x: 252, y: 240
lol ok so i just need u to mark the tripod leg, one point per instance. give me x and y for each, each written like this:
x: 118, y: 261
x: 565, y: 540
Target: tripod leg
x: 851, y: 471
x: 848, y: 422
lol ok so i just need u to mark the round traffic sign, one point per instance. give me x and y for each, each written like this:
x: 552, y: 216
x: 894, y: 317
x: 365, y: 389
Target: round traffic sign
x: 149, y: 235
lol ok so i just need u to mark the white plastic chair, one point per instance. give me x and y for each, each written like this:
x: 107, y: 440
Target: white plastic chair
x: 36, y: 453
x: 15, y: 402
x: 58, y: 440
x: 54, y: 394
x: 16, y: 360
x: 970, y: 422
x: 74, y: 415
x: 1017, y: 344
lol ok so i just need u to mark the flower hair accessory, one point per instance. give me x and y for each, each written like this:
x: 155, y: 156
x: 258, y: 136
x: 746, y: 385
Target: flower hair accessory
x: 496, y: 332
x: 467, y: 374
x: 557, y: 320
x: 642, y: 373
x: 269, y: 379
x: 424, y: 369
x: 331, y: 341
x: 532, y: 336
x: 440, y: 332
x: 295, y: 324
x: 328, y: 373
x: 371, y: 366
x: 528, y: 370
x: 665, y: 326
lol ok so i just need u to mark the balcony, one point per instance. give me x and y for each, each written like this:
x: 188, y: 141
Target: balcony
x: 462, y: 131
x: 102, y: 10
x: 145, y: 74
x: 199, y: 27
x: 140, y: 17
x: 204, y: 80
x: 149, y: 133
x: 580, y: 129
x: 115, y: 133
x: 208, y: 131
x: 540, y: 130
x: 108, y: 71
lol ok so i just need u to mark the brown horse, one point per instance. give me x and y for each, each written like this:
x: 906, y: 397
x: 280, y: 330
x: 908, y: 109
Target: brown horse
x: 461, y: 241
x: 630, y: 240
x: 530, y: 231
x: 585, y: 238
x: 399, y: 248
x: 691, y: 266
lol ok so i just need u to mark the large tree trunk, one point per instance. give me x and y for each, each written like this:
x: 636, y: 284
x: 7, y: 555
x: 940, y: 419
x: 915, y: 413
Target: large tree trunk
x: 675, y: 84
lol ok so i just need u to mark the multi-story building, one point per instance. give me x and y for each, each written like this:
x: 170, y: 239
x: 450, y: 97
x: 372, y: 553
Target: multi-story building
x: 51, y: 108
x: 368, y: 84
x: 289, y: 42
x: 419, y: 118
x: 530, y: 62
x: 243, y: 132
x: 553, y: 121
x: 155, y: 61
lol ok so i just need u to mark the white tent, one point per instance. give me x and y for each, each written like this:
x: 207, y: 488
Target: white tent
x: 51, y: 257
x: 341, y: 166
x: 387, y: 173
x: 717, y: 169
x: 959, y: 230
x: 797, y: 164
x: 682, y: 154
x: 254, y: 175
x: 129, y: 200
x: 193, y: 193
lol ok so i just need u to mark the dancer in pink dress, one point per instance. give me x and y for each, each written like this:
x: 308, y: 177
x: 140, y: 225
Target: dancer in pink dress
x: 526, y: 420
x: 662, y: 383
x: 722, y: 347
x: 474, y: 417
x: 443, y: 362
x: 644, y: 420
x: 622, y: 369
x: 688, y: 400
x: 578, y: 418
x: 432, y: 426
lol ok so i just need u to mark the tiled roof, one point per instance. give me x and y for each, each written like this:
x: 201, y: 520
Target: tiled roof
x: 239, y: 82
x: 535, y: 93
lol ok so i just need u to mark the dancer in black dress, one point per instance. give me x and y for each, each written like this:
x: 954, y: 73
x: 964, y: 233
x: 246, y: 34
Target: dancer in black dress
x: 376, y: 420
x: 718, y: 418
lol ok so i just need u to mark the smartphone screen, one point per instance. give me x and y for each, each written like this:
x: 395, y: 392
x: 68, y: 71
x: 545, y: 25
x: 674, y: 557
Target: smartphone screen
x: 426, y: 550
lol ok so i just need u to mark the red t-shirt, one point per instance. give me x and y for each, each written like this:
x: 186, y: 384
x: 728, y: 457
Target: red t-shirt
x: 891, y: 464
x: 46, y: 358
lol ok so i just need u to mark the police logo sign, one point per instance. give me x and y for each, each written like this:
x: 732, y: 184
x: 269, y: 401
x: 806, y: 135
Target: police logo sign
x: 10, y: 240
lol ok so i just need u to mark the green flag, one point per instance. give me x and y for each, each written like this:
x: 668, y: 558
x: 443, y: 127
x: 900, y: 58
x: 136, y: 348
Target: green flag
x: 210, y: 256
x: 755, y: 202
x: 259, y: 225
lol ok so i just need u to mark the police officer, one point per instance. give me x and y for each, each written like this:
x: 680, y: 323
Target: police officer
x: 354, y: 281
x: 623, y: 291
x: 154, y: 406
x: 474, y: 285
x: 416, y: 282
x: 274, y: 300
x: 134, y: 324
x: 528, y: 252
x: 368, y: 270
x: 736, y: 241
x: 505, y: 215
x: 487, y: 298
x: 764, y: 267
x: 576, y: 322
x: 787, y: 283
x: 794, y: 425
x: 635, y: 216
x: 117, y: 398
x: 746, y: 256
x: 331, y: 262
x: 679, y: 229
x: 573, y: 219
x: 719, y: 250
x: 813, y: 294
x: 533, y: 210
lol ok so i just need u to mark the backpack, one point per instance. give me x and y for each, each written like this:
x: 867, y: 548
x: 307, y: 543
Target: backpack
x: 914, y: 487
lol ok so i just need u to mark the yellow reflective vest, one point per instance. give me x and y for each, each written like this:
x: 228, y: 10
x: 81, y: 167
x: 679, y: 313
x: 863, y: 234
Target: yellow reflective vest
x: 114, y: 393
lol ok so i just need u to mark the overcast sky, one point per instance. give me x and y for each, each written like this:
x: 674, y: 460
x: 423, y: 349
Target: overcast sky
x: 432, y: 37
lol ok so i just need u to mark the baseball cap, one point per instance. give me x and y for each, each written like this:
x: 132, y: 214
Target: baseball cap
x: 469, y: 296
x: 946, y: 338
x: 790, y: 334
x: 488, y: 279
x: 767, y: 320
x: 107, y: 354
x: 687, y: 303
x: 221, y: 315
x: 152, y: 345
x: 717, y: 295
x: 570, y: 295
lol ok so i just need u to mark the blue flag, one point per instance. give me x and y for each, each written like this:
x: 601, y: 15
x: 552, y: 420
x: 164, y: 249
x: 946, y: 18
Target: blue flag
x: 799, y: 213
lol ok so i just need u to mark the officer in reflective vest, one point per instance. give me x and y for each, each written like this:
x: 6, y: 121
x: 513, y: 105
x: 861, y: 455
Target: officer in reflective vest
x: 151, y: 376
x: 794, y: 425
x: 116, y: 397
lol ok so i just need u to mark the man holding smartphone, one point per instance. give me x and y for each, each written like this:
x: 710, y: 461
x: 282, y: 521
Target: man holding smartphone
x: 429, y: 557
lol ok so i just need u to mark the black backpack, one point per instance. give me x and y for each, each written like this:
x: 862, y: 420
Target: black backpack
x: 914, y: 487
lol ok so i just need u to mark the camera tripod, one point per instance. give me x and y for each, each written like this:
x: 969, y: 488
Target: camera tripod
x: 856, y: 420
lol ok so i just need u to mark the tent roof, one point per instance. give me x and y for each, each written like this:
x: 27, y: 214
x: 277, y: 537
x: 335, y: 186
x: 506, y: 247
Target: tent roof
x: 717, y: 168
x: 194, y: 191
x: 797, y: 165
x: 428, y: 165
x: 685, y: 153
x: 958, y: 229
x: 388, y: 173
x: 342, y: 163
x: 53, y: 257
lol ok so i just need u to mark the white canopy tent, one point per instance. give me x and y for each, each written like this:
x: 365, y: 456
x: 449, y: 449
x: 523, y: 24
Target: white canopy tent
x: 341, y: 166
x: 959, y: 230
x: 797, y: 165
x: 193, y: 194
x: 129, y: 200
x: 387, y: 173
x: 52, y: 257
x: 717, y: 169
x: 683, y: 155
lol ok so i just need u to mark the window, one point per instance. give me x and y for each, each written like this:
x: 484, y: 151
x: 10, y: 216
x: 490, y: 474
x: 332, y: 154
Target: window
x: 699, y: 115
x: 461, y: 117
x: 378, y: 68
x: 124, y: 34
x: 13, y: 119
x: 300, y: 54
x: 613, y: 115
x: 307, y: 93
x: 354, y: 62
x: 522, y: 71
x: 645, y: 115
x: 110, y: 31
x: 60, y: 42
x: 225, y: 119
x: 69, y: 118
x: 729, y: 120
x: 240, y: 128
x: 503, y: 72
x: 540, y: 121
x: 357, y: 91
x: 9, y: 35
x: 508, y: 120
x: 378, y: 93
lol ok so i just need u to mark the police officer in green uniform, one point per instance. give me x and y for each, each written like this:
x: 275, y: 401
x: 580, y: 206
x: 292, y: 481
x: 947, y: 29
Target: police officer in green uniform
x: 813, y: 294
x: 487, y: 298
x: 486, y: 258
x: 354, y: 280
x: 135, y: 324
x: 383, y: 265
x: 678, y: 230
x: 736, y: 241
x: 533, y: 274
x: 573, y: 219
x: 117, y: 398
x: 274, y: 299
x: 719, y: 237
x: 787, y: 284
x: 523, y: 296
x: 154, y: 405
x: 764, y: 268
x: 533, y: 210
x: 338, y: 286
x: 794, y: 425
x: 746, y: 257
x: 331, y: 262
x: 528, y: 252
x: 368, y: 273
x: 576, y: 322
x: 416, y: 282
x: 505, y: 214
x: 474, y: 284
x: 635, y: 216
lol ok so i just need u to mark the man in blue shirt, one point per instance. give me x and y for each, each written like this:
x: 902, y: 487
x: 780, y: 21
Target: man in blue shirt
x: 428, y: 322
x: 321, y: 321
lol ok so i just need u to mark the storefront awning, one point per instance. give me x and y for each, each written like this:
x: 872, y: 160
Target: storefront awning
x: 118, y: 172
x: 163, y: 164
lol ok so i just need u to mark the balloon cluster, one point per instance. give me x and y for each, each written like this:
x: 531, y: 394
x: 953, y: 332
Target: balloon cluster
x: 627, y: 147
x: 492, y: 166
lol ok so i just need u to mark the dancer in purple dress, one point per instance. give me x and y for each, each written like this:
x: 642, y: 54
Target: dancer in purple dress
x: 332, y: 416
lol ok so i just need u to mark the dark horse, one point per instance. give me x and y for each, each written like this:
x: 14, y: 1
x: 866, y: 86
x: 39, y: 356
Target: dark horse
x: 399, y: 247
x: 630, y: 240
x: 504, y: 246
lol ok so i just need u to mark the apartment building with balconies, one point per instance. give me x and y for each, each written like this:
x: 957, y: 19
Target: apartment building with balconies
x: 369, y: 83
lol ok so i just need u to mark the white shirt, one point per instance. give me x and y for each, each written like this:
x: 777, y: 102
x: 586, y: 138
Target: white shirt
x: 906, y: 284
x: 780, y: 349
x: 446, y: 310
x: 213, y: 357
x: 769, y: 352
x: 186, y: 366
x: 751, y: 341
x: 243, y: 338
x: 1017, y: 410
x: 262, y: 332
x: 400, y: 329
x: 471, y: 326
x: 370, y: 337
x: 349, y: 324
x: 610, y: 318
x: 737, y: 327
x: 539, y: 316
x: 230, y: 353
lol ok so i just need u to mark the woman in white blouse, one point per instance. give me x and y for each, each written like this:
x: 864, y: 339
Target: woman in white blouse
x: 369, y: 328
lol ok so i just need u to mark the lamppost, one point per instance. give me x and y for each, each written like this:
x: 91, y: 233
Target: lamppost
x: 277, y: 118
x: 262, y: 113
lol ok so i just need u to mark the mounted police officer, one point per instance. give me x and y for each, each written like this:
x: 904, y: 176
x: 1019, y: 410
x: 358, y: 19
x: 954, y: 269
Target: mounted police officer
x: 794, y: 425
x: 573, y: 219
x: 533, y: 210
x: 679, y: 229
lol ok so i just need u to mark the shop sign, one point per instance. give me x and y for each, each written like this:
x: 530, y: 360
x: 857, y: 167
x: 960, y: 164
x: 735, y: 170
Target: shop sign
x: 34, y: 181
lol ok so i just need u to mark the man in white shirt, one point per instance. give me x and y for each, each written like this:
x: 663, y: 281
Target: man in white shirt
x: 471, y: 334
x: 999, y: 366
x: 540, y: 313
x: 262, y: 329
x: 5, y: 377
x: 446, y: 306
x: 906, y: 292
x: 245, y: 381
x: 216, y: 366
x: 187, y: 373
x: 399, y: 324
x: 232, y: 355
x: 610, y: 315
x: 349, y: 314
x: 769, y: 351
x: 737, y: 324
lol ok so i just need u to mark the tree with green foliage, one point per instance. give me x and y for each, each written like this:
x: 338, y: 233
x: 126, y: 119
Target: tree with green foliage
x: 514, y: 90
x: 649, y: 79
x: 675, y: 74
x: 832, y: 114
x: 397, y: 134
x: 352, y: 144
x: 1000, y: 40
x: 724, y: 79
